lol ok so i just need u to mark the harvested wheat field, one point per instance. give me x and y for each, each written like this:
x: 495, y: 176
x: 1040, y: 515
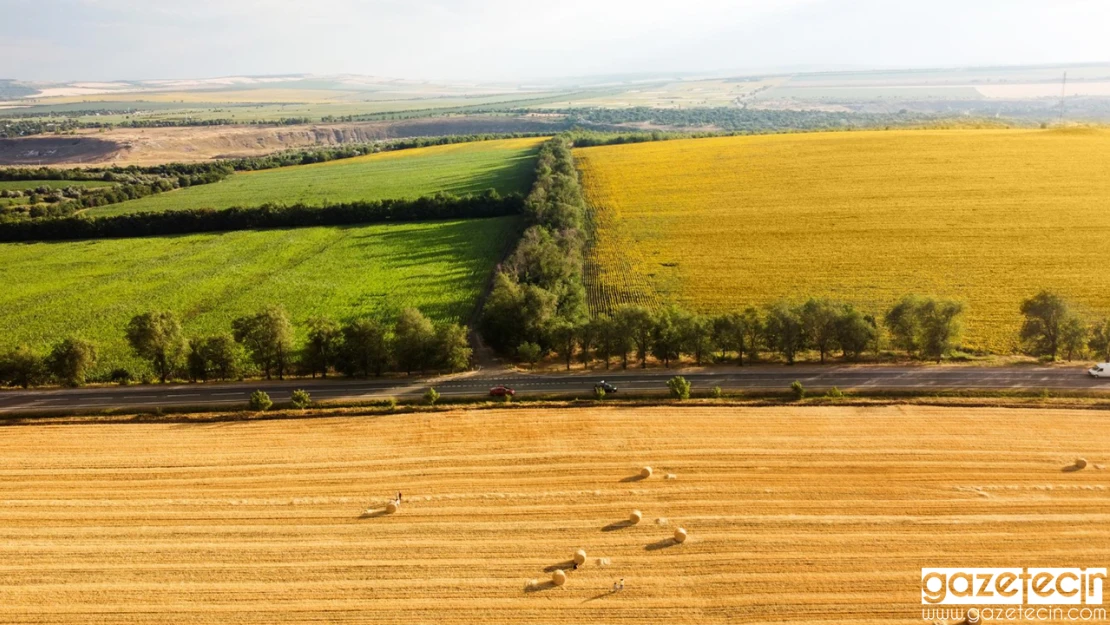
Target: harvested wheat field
x: 989, y: 217
x: 792, y: 515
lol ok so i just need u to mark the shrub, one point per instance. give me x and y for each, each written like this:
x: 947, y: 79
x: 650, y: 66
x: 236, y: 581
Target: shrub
x: 834, y: 393
x: 599, y: 393
x: 529, y: 352
x: 431, y: 396
x: 300, y: 399
x: 260, y: 401
x: 121, y: 376
x: 680, y: 388
x: 717, y: 393
x: 798, y: 390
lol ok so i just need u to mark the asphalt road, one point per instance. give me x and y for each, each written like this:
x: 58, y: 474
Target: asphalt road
x: 477, y: 384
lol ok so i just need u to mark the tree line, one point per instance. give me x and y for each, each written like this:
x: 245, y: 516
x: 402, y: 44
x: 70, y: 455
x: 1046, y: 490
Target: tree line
x: 259, y: 344
x: 135, y: 182
x: 540, y: 285
x: 923, y: 328
x: 441, y: 206
x: 743, y: 120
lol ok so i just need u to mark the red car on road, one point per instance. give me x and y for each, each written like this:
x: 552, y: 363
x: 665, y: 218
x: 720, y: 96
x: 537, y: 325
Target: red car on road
x: 501, y: 391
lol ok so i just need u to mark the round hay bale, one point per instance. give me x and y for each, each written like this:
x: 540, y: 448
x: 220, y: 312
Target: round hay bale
x: 1081, y: 463
x: 580, y: 557
x: 559, y: 577
x: 635, y: 517
x: 645, y: 472
x: 391, y: 507
x: 680, y: 535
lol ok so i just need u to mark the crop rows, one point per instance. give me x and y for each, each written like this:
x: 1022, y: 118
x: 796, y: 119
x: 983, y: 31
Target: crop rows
x: 458, y: 169
x: 988, y: 217
x: 91, y: 289
x: 793, y: 515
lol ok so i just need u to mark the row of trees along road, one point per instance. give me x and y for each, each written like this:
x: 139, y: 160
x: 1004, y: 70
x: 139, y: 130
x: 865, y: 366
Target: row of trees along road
x: 258, y: 344
x: 921, y: 327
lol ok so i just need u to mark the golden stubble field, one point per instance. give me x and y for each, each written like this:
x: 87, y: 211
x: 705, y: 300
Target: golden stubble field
x: 795, y: 515
x: 988, y: 217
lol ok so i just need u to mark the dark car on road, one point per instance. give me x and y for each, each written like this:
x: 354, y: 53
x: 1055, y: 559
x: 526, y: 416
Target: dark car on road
x: 605, y: 386
x: 501, y: 391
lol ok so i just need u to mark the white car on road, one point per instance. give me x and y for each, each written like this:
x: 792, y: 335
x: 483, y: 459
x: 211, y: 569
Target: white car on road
x: 1101, y: 370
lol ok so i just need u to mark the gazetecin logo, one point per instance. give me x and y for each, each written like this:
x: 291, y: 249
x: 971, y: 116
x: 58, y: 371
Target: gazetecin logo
x: 1003, y: 594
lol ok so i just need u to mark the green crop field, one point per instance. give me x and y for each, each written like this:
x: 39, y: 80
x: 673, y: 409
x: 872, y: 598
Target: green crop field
x: 460, y: 169
x: 91, y: 289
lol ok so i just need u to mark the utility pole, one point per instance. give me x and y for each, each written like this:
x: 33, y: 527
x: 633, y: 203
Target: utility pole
x: 1063, y: 95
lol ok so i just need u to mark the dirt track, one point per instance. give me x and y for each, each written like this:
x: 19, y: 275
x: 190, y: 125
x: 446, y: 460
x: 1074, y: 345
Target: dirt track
x: 152, y: 146
x: 795, y: 515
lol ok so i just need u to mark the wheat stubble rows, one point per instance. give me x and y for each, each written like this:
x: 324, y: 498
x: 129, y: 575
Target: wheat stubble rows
x: 813, y: 515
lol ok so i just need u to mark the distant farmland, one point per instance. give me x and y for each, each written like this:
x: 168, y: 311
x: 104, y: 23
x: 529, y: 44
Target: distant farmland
x: 23, y: 185
x: 460, y: 169
x: 91, y: 289
x: 985, y: 216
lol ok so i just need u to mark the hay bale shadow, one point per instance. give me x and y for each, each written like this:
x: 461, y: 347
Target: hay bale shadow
x: 565, y: 566
x: 1071, y: 468
x: 662, y: 544
x: 600, y: 596
x: 548, y: 585
x: 633, y: 478
x: 619, y: 525
x: 373, y: 514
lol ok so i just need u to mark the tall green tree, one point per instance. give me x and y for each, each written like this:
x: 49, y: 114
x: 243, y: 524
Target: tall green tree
x: 855, y: 332
x: 563, y: 337
x: 413, y: 341
x: 156, y: 336
x: 588, y: 333
x: 70, y: 360
x: 1073, y: 337
x: 638, y: 324
x: 668, y: 335
x: 753, y: 329
x: 697, y: 337
x: 195, y: 364
x: 611, y: 341
x: 1046, y: 315
x: 21, y: 367
x: 321, y: 350
x: 268, y: 338
x: 819, y: 322
x: 903, y: 321
x: 364, y: 349
x: 941, y: 327
x: 222, y: 356
x: 784, y: 331
x: 1100, y: 340
x: 452, y: 347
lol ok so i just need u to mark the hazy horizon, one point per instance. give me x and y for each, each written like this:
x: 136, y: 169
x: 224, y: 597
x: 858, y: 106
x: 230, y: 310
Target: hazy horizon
x: 501, y: 41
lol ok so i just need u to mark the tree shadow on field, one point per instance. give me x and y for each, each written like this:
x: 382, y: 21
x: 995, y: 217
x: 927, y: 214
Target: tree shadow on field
x: 569, y: 564
x: 633, y: 478
x: 662, y: 544
x: 548, y: 585
x: 619, y: 525
x: 373, y: 514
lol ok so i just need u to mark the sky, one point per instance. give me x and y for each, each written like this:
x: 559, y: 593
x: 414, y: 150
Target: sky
x: 522, y: 40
